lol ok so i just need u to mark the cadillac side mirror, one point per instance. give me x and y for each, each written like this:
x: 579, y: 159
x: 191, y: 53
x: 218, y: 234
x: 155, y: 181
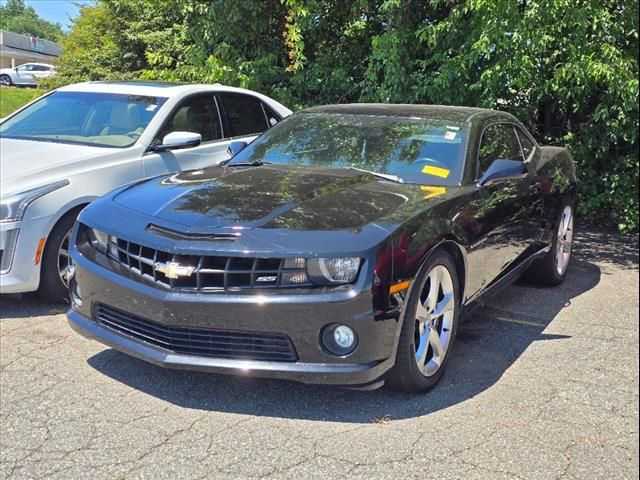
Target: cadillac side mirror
x: 502, y: 169
x: 178, y: 140
x: 235, y: 148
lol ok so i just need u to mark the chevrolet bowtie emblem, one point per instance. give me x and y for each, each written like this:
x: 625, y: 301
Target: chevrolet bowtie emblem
x: 173, y: 269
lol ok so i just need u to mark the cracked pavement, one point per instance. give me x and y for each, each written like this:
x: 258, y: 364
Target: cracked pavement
x: 543, y: 385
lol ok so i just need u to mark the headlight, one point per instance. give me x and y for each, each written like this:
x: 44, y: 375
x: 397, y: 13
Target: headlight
x: 293, y: 272
x: 13, y: 207
x: 325, y: 271
x: 99, y: 240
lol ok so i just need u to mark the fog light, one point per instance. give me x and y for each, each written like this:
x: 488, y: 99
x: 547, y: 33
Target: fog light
x: 339, y: 340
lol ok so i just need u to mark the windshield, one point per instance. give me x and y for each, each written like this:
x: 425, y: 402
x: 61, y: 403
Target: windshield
x: 84, y: 118
x: 416, y: 150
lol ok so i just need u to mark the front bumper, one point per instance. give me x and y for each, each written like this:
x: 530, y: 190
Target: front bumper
x: 19, y: 243
x: 299, y: 316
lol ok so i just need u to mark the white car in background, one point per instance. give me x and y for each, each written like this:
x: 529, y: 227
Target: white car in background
x: 27, y: 74
x: 79, y: 142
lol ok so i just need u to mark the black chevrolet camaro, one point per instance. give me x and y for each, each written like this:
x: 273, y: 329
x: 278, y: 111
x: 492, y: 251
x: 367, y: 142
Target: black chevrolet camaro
x: 343, y: 246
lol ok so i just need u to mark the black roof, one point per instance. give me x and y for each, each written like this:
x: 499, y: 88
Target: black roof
x: 446, y: 112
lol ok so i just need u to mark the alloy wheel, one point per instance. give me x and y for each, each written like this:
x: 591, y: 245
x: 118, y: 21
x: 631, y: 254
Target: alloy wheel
x: 65, y: 264
x: 565, y: 240
x: 434, y: 320
x: 5, y: 81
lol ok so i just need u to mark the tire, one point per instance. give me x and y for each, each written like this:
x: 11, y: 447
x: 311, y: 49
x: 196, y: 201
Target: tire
x: 407, y: 375
x: 551, y: 270
x: 52, y: 287
x: 5, y: 80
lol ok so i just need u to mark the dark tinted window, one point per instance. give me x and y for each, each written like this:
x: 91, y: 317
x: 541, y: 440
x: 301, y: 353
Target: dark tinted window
x: 498, y: 142
x: 272, y: 117
x: 245, y: 115
x: 527, y: 146
x: 197, y: 114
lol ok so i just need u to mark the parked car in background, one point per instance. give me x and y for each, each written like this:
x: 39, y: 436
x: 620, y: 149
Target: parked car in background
x: 27, y: 74
x: 78, y: 142
x: 341, y: 247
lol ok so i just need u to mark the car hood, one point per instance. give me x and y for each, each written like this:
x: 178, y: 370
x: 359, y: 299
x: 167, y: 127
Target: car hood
x: 28, y: 163
x: 273, y: 197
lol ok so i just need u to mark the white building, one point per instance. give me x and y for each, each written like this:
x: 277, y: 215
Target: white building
x: 16, y: 49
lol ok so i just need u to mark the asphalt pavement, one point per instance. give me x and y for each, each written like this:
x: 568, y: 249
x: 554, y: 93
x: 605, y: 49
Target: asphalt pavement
x: 543, y: 385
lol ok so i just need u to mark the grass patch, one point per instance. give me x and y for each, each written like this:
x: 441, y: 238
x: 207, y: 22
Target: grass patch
x: 12, y: 98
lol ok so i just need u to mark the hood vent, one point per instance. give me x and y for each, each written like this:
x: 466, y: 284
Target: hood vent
x: 167, y: 232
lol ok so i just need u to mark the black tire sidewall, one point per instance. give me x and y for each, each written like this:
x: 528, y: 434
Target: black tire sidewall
x: 406, y: 374
x: 51, y: 287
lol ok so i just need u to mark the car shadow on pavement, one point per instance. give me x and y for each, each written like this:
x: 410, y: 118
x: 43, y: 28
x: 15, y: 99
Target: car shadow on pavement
x: 28, y: 305
x: 487, y: 345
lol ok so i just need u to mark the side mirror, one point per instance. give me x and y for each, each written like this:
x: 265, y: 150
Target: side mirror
x: 501, y: 169
x: 178, y: 140
x: 236, y: 147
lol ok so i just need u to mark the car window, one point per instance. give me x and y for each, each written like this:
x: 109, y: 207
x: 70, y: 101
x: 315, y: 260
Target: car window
x: 272, y: 117
x: 418, y: 150
x: 197, y: 114
x: 84, y: 118
x: 244, y: 114
x: 25, y: 68
x: 527, y: 145
x: 498, y: 141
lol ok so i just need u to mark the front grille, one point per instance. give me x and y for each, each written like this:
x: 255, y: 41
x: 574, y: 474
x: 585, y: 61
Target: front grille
x: 206, y: 272
x: 198, y: 341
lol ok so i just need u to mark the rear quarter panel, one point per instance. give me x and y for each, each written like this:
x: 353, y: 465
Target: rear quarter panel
x: 558, y: 184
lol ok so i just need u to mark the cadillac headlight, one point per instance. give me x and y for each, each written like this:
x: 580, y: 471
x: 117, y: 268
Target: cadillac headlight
x: 326, y: 271
x: 13, y: 207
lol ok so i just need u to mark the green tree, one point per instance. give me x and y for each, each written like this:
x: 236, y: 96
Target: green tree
x: 16, y: 17
x: 568, y: 69
x: 118, y: 39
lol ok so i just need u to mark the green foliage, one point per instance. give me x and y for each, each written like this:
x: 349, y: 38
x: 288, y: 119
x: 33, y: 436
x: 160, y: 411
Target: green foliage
x: 16, y: 17
x: 568, y: 69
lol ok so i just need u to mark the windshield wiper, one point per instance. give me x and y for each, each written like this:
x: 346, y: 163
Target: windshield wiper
x: 386, y: 176
x: 255, y: 163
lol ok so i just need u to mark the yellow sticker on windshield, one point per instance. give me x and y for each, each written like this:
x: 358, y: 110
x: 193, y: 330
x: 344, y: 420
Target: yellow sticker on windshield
x: 436, y: 171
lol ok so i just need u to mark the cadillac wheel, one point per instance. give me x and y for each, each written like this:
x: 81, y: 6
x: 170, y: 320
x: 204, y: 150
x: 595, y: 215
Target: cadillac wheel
x: 64, y: 260
x: 56, y: 262
x: 429, y: 328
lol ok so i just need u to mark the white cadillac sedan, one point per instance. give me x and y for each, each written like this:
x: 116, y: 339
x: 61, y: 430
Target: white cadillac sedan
x: 77, y: 143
